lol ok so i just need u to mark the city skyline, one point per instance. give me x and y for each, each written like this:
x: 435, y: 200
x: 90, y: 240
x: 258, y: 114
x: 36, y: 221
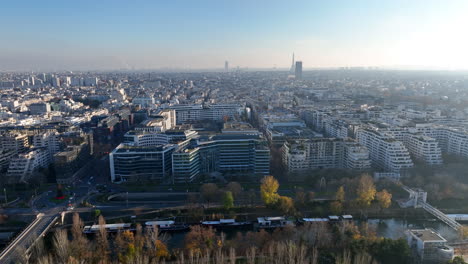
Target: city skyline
x: 185, y: 35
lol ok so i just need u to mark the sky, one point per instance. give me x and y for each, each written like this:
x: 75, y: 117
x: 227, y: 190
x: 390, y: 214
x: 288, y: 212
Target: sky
x: 202, y: 34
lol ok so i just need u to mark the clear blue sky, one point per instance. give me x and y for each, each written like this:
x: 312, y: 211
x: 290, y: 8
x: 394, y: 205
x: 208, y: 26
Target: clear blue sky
x: 105, y: 34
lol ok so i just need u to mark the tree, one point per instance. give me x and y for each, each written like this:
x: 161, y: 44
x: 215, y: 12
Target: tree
x: 209, y: 192
x: 269, y: 190
x: 388, y: 251
x: 61, y: 245
x: 366, y: 191
x: 235, y: 188
x: 340, y: 194
x: 286, y: 205
x: 457, y: 260
x: 80, y: 244
x: 97, y: 213
x: 251, y: 195
x: 102, y: 246
x: 300, y: 196
x: 336, y: 207
x: 200, y: 239
x: 384, y: 198
x: 228, y: 200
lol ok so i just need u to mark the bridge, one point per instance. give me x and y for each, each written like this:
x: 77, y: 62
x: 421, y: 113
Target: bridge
x: 28, y: 238
x: 418, y: 199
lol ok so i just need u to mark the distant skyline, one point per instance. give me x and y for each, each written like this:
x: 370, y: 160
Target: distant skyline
x: 106, y: 35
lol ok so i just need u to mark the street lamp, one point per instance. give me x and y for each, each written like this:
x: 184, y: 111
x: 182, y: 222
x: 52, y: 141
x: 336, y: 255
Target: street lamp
x: 6, y: 200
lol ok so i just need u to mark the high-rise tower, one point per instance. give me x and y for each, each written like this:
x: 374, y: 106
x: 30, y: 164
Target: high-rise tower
x: 293, y: 65
x: 226, y: 66
x: 298, y: 70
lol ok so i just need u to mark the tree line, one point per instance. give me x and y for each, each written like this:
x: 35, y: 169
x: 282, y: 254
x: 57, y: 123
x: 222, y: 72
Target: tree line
x: 317, y: 243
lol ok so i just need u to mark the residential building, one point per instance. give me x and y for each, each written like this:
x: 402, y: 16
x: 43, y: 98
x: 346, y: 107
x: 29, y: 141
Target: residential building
x: 424, y: 148
x: 22, y: 167
x: 324, y: 153
x: 386, y: 152
x: 39, y: 108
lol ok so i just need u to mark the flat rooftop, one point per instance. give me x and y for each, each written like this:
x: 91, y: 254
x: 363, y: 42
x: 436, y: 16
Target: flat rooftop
x: 427, y: 235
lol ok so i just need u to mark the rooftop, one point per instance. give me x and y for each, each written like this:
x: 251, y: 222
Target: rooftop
x: 427, y: 235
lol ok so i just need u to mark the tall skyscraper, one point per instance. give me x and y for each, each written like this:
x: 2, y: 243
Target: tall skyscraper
x: 298, y: 70
x: 226, y: 66
x: 293, y: 66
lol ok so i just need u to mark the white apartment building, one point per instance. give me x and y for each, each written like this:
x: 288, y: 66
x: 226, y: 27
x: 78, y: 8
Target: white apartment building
x: 17, y: 142
x: 386, y: 152
x: 336, y: 128
x: 424, y: 148
x: 144, y: 101
x: 22, y: 167
x: 5, y: 156
x: 356, y: 157
x: 322, y: 153
x: 49, y: 141
x: 449, y: 140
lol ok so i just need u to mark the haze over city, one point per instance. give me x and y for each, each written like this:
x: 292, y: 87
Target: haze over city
x: 106, y: 35
x: 234, y: 132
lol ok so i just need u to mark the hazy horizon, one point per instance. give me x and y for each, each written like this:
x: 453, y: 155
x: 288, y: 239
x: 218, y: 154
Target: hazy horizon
x: 187, y: 35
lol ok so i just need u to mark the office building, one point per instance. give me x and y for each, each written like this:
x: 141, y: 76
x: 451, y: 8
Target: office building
x: 429, y: 246
x: 230, y: 154
x: 130, y: 162
x: 197, y: 112
x: 298, y: 70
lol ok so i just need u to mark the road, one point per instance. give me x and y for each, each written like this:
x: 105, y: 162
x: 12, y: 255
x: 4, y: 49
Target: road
x: 47, y: 210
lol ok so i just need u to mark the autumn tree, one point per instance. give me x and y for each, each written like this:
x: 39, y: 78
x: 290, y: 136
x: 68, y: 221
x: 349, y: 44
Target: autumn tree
x: 228, y: 200
x: 125, y: 245
x: 102, y: 242
x: 209, y: 192
x: 269, y: 190
x: 200, y: 239
x: 155, y: 247
x: 340, y: 194
x: 235, y: 188
x: 80, y: 246
x: 365, y: 191
x: 336, y: 207
x: 384, y: 198
x: 300, y: 197
x: 285, y: 205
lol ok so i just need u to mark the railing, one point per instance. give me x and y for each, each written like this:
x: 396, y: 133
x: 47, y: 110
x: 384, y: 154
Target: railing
x: 15, y: 242
x: 441, y: 216
x: 432, y: 210
x: 42, y: 234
